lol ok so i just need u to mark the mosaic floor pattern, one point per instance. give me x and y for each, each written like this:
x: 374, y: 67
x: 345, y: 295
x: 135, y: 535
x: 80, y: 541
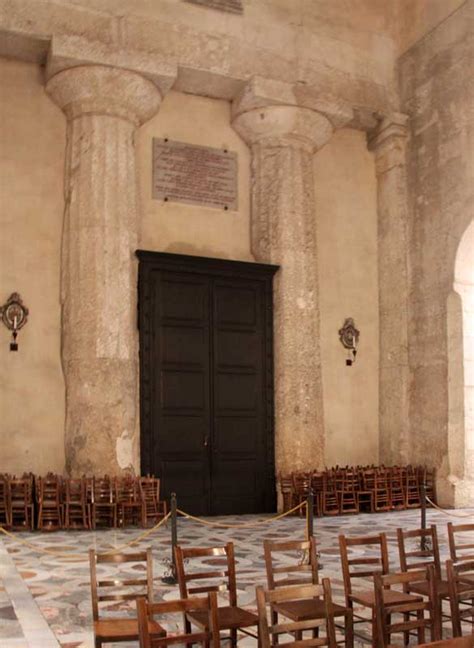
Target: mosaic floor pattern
x: 45, y: 600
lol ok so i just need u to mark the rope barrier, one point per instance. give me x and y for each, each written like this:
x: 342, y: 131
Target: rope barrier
x: 78, y: 556
x: 457, y: 515
x: 244, y: 525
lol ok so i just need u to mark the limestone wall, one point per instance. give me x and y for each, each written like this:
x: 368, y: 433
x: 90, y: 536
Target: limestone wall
x: 32, y: 143
x: 346, y: 212
x: 191, y: 229
x: 436, y: 93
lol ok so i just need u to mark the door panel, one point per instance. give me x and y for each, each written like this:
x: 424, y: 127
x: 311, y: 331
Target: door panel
x: 182, y: 400
x: 206, y: 381
x: 238, y: 388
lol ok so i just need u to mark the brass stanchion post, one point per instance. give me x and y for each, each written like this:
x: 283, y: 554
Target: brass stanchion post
x: 171, y: 579
x: 310, y: 515
x: 423, y: 543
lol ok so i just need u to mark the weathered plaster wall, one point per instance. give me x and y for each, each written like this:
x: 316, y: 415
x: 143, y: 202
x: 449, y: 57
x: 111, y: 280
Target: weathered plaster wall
x: 32, y: 136
x: 346, y: 213
x: 192, y: 229
x: 436, y: 93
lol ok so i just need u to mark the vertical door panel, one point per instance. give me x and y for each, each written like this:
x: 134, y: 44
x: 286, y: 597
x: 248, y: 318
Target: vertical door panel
x: 182, y: 389
x: 237, y: 382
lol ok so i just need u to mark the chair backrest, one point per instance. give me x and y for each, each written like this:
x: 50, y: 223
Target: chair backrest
x: 148, y: 610
x: 49, y: 488
x: 216, y: 580
x: 412, y: 611
x: 269, y: 633
x: 102, y: 490
x: 75, y: 490
x: 461, y: 550
x: 378, y: 564
x: 126, y: 490
x: 461, y: 588
x: 416, y: 558
x: 150, y: 489
x: 21, y: 491
x: 123, y: 589
x: 303, y: 568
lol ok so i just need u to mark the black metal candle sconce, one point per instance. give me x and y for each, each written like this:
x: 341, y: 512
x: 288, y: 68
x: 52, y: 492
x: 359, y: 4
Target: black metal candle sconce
x: 14, y: 315
x: 349, y: 337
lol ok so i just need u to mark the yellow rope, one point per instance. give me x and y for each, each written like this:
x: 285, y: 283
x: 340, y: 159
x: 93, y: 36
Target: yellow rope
x: 80, y: 557
x: 457, y: 515
x: 244, y: 525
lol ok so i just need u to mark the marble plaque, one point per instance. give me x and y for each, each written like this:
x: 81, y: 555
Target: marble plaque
x: 233, y: 6
x: 192, y: 174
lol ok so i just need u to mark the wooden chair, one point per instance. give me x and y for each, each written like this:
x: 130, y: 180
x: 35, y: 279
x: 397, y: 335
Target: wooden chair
x: 397, y: 481
x: 204, y: 605
x: 317, y: 484
x: 417, y: 558
x: 109, y: 588
x: 5, y: 505
x: 348, y: 499
x: 301, y: 486
x: 378, y: 564
x: 21, y: 502
x: 412, y: 488
x: 103, y: 506
x: 129, y: 502
x: 330, y: 499
x: 461, y: 593
x: 280, y: 597
x: 461, y: 551
x: 386, y: 626
x: 287, y: 492
x: 366, y: 489
x: 300, y: 572
x: 75, y: 504
x: 382, y: 499
x: 153, y: 508
x: 231, y: 617
x: 49, y: 503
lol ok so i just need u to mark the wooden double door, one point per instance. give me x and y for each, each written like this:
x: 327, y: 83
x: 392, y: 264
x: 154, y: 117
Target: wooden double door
x: 206, y: 381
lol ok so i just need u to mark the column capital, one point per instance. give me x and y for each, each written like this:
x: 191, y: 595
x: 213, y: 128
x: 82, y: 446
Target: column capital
x: 101, y: 90
x: 280, y: 113
x: 388, y: 141
x: 284, y: 126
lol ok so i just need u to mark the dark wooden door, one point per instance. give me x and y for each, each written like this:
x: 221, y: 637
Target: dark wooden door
x: 206, y: 382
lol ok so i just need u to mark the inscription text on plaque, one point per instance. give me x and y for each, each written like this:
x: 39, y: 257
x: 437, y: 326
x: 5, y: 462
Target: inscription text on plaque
x: 196, y: 175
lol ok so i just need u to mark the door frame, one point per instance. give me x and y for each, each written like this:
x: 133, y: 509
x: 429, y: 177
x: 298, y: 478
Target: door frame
x: 152, y: 261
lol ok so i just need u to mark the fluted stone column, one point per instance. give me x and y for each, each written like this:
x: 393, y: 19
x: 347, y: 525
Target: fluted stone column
x: 103, y: 106
x: 388, y: 143
x: 283, y: 140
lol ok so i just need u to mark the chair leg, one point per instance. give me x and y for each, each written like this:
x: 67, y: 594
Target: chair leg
x: 349, y: 630
x: 233, y: 638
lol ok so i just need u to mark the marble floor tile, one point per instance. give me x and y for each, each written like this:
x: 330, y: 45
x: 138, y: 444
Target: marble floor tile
x: 45, y: 600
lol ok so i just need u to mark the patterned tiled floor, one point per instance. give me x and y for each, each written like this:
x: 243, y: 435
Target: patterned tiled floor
x: 45, y: 600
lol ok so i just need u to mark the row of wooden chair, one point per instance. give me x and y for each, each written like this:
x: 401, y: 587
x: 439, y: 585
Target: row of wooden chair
x: 53, y: 502
x: 295, y: 593
x: 350, y: 489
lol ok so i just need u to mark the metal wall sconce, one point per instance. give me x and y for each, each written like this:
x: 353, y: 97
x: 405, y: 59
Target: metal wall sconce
x: 349, y: 337
x: 14, y: 315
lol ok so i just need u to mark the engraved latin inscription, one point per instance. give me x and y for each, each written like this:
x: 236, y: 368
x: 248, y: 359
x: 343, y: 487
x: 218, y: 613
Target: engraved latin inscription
x: 196, y: 175
x: 233, y: 6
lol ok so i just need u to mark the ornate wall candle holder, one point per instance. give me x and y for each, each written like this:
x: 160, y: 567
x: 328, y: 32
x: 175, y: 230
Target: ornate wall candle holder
x: 14, y: 315
x: 349, y: 337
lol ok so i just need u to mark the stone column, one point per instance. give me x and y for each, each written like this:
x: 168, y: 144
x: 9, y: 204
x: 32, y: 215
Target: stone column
x: 283, y: 140
x: 103, y: 106
x: 388, y: 142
